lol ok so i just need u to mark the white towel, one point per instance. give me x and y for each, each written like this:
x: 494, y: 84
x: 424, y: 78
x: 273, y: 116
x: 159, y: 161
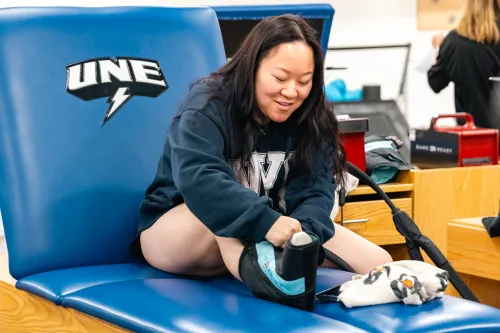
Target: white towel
x: 408, y: 281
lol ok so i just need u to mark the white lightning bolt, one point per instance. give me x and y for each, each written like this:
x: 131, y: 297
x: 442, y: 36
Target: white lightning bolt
x: 116, y: 102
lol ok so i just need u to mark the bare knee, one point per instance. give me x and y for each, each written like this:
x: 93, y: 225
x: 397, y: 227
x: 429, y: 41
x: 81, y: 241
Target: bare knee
x: 376, y: 256
x: 381, y: 257
x: 361, y: 254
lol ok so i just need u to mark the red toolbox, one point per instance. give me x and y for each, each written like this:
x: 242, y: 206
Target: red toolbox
x: 352, y: 135
x: 456, y: 146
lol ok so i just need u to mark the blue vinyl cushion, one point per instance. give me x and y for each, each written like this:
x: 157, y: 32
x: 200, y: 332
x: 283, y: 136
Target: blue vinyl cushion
x: 180, y: 305
x: 449, y: 314
x: 102, y: 291
x: 54, y: 285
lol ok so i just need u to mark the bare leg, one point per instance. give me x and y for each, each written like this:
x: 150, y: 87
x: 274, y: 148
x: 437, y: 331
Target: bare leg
x: 179, y: 243
x: 231, y: 250
x: 361, y: 254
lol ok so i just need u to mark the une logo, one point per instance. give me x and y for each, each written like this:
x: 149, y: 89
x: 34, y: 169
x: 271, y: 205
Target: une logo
x: 119, y: 79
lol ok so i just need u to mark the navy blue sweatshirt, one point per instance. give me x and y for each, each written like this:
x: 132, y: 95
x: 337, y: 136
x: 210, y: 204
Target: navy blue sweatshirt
x: 196, y: 168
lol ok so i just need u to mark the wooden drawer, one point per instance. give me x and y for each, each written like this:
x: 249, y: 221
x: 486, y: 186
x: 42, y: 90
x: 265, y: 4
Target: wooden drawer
x: 376, y: 222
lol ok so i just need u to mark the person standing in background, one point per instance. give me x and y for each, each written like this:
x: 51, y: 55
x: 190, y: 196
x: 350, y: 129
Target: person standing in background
x: 468, y: 56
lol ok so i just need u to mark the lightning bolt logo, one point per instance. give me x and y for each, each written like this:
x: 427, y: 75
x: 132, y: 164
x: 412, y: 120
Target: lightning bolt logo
x: 116, y: 102
x: 117, y: 79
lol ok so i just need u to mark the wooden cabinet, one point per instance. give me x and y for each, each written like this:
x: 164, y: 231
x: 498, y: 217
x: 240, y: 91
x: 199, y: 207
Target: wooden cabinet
x: 373, y: 220
x: 447, y: 205
x: 369, y: 216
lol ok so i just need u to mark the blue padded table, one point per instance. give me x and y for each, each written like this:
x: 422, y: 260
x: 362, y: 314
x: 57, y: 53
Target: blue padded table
x: 86, y: 97
x: 448, y: 314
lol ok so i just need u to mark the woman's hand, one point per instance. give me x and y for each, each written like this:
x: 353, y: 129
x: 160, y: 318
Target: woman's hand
x: 437, y: 39
x: 282, y: 230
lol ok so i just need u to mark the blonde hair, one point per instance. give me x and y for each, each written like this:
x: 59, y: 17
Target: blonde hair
x: 478, y: 21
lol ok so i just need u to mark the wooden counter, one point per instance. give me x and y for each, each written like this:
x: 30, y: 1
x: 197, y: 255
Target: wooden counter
x: 441, y: 195
x: 476, y: 256
x: 432, y: 197
x: 369, y: 216
x: 472, y: 250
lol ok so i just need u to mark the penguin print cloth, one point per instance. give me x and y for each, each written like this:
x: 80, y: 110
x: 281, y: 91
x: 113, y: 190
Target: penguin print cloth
x: 409, y: 281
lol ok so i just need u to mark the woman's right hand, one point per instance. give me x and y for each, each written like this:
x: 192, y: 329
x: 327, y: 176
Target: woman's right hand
x: 282, y: 230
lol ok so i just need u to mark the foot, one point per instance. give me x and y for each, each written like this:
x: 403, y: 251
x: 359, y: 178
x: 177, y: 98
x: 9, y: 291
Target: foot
x: 283, y: 275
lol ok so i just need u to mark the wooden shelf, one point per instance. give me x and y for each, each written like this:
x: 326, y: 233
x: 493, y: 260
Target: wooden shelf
x: 387, y: 188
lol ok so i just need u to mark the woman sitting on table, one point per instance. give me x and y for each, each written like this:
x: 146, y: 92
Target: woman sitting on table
x: 250, y: 157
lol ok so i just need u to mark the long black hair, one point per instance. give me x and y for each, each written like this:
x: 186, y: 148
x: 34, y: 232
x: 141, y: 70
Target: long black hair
x: 234, y: 84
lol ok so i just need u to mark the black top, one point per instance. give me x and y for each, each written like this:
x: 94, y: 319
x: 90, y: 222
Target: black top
x: 468, y: 64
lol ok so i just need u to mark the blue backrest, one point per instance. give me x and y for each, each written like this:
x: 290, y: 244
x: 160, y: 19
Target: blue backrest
x: 86, y: 98
x: 236, y: 21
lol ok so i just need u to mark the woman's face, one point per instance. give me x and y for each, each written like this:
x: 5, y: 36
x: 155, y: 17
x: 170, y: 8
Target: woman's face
x: 284, y: 80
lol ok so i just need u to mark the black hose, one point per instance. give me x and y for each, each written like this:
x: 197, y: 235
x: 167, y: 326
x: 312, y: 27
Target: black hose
x: 356, y: 172
x: 414, y: 238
